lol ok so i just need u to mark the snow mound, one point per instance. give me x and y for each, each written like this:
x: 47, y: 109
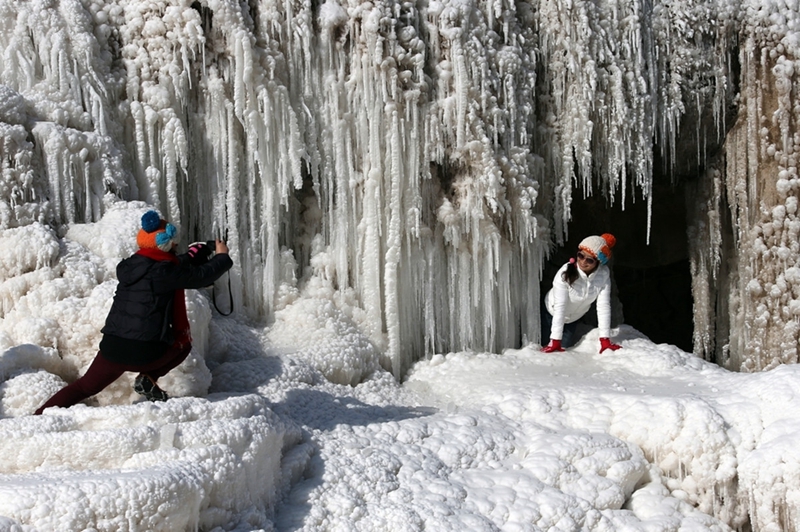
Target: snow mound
x: 330, y: 340
x: 715, y: 452
x: 183, y: 464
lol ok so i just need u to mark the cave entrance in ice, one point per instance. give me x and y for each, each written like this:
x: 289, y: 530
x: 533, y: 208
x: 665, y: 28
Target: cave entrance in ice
x: 652, y: 285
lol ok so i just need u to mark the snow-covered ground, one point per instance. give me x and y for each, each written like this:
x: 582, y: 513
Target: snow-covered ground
x: 296, y: 426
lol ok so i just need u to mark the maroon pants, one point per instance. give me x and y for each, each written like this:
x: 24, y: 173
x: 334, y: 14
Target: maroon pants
x: 103, y: 372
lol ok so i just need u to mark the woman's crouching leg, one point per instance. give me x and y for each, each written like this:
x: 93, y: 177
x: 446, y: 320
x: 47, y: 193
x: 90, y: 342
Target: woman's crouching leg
x: 100, y: 374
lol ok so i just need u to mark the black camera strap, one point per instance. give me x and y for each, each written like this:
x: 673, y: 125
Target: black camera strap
x: 230, y: 296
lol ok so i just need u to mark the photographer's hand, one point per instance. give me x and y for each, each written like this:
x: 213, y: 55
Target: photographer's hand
x: 222, y: 247
x: 199, y: 253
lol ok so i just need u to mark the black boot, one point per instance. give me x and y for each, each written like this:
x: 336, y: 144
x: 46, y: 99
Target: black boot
x: 145, y: 386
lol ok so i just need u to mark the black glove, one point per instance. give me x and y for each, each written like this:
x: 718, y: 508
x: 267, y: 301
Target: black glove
x: 199, y: 253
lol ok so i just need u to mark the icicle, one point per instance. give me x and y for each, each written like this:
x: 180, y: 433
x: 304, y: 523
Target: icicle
x: 393, y: 240
x: 171, y: 160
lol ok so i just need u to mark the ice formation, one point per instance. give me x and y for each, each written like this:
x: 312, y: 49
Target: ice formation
x: 684, y: 426
x: 429, y: 150
x: 188, y: 465
x: 745, y: 235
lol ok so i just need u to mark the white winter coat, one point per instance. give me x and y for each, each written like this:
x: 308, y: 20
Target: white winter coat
x: 568, y: 303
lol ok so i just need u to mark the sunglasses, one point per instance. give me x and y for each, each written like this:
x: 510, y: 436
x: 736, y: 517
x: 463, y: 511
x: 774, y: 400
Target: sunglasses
x: 586, y: 258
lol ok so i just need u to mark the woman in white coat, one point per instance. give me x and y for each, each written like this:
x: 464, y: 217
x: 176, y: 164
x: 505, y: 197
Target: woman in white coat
x: 576, y: 286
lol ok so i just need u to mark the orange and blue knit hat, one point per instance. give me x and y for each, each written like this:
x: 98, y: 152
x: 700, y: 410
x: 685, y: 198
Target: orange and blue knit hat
x: 156, y: 233
x: 598, y: 247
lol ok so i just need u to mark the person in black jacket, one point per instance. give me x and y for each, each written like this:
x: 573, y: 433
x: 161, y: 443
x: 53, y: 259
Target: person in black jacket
x: 147, y: 329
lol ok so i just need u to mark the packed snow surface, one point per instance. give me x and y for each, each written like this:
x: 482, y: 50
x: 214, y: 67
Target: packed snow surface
x: 295, y: 426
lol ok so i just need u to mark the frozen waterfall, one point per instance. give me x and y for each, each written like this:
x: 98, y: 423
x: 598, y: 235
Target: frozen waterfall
x: 419, y: 158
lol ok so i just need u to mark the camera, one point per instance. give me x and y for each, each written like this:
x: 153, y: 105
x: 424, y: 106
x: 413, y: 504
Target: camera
x: 201, y: 252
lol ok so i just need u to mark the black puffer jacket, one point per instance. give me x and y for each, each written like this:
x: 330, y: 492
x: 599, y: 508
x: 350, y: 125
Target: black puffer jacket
x: 142, y: 307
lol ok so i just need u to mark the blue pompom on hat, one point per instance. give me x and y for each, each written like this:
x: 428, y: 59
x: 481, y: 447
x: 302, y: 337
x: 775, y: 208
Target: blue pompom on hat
x: 150, y: 221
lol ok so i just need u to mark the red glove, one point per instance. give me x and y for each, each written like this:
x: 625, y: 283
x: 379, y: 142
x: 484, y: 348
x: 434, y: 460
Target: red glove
x: 605, y: 343
x: 553, y: 346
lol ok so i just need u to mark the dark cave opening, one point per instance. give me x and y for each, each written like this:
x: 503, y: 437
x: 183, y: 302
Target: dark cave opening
x: 651, y: 283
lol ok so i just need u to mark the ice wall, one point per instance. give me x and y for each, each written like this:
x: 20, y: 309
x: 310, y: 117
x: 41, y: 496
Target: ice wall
x: 421, y: 158
x: 745, y: 237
